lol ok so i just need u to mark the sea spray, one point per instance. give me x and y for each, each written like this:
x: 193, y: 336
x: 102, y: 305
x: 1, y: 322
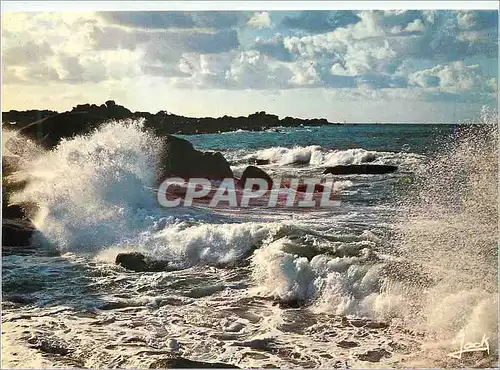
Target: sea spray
x: 451, y: 233
x: 95, y: 189
x: 98, y: 192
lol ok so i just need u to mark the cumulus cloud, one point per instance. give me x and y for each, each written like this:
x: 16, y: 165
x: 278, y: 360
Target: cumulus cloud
x: 260, y: 20
x: 456, y: 77
x: 234, y: 70
x: 383, y: 55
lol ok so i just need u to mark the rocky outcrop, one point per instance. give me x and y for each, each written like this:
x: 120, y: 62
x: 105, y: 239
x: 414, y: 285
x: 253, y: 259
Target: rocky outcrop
x: 138, y: 262
x: 21, y: 118
x: 180, y: 159
x: 49, y: 127
x: 17, y: 232
x: 82, y: 119
x: 361, y: 169
x: 17, y: 229
x: 252, y: 172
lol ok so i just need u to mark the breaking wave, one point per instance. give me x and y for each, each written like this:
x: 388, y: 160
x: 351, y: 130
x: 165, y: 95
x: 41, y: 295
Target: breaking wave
x: 315, y: 155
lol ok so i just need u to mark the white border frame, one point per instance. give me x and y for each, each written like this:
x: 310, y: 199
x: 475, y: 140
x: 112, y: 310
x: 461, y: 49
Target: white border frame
x: 12, y: 6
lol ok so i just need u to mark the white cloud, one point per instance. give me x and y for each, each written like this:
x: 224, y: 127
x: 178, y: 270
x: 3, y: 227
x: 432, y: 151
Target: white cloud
x: 260, y: 20
x: 416, y: 26
x: 375, y: 55
x: 455, y: 78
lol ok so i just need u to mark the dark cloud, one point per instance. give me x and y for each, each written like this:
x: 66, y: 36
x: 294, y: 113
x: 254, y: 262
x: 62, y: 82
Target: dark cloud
x: 171, y: 20
x: 274, y: 48
x: 444, y: 40
x: 28, y: 53
x: 319, y: 21
x: 165, y: 42
x: 167, y: 47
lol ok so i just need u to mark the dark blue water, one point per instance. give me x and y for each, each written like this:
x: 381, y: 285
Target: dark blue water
x: 417, y: 138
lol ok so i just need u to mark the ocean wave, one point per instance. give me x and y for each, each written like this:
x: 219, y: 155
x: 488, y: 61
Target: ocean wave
x: 95, y: 190
x: 315, y: 155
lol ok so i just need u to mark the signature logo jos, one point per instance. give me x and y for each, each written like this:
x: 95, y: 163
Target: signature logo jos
x: 465, y: 347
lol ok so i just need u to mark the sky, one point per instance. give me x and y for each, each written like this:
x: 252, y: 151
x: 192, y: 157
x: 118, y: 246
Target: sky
x: 343, y: 65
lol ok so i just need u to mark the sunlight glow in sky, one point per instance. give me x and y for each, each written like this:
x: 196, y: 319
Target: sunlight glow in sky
x: 357, y: 66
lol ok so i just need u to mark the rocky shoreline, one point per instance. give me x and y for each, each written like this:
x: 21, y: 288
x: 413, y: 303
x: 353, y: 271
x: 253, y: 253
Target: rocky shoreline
x: 52, y: 126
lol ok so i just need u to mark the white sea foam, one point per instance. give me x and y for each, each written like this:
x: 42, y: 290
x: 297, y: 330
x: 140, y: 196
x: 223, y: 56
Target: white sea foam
x: 95, y: 190
x: 315, y: 155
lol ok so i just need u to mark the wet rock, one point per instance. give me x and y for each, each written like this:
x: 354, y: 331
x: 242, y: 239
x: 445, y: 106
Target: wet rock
x: 49, y: 127
x: 180, y: 159
x: 263, y: 344
x: 13, y: 212
x: 184, y: 363
x: 347, y: 344
x: 362, y: 169
x: 252, y: 172
x: 20, y: 299
x: 82, y: 119
x: 376, y: 325
x: 374, y: 355
x: 358, y: 323
x: 289, y: 303
x: 138, y: 262
x: 17, y: 233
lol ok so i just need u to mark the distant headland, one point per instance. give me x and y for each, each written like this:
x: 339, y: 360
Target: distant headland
x: 83, y: 118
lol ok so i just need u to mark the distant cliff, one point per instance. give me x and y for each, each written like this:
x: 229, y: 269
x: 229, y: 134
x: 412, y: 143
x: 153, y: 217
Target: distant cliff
x: 51, y: 126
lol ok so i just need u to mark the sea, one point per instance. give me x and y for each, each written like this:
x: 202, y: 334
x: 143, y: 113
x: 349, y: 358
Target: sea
x: 403, y: 272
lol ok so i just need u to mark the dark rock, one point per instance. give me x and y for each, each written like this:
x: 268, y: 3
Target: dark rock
x: 358, y: 323
x: 17, y: 229
x: 289, y: 303
x: 376, y: 325
x: 264, y: 344
x: 252, y: 172
x: 22, y: 118
x: 48, y: 127
x: 20, y: 299
x: 138, y: 262
x: 363, y: 169
x: 347, y: 344
x: 10, y: 185
x: 374, y: 355
x: 180, y: 159
x: 370, y: 157
x: 82, y: 119
x: 14, y: 212
x: 184, y: 363
x: 17, y: 232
